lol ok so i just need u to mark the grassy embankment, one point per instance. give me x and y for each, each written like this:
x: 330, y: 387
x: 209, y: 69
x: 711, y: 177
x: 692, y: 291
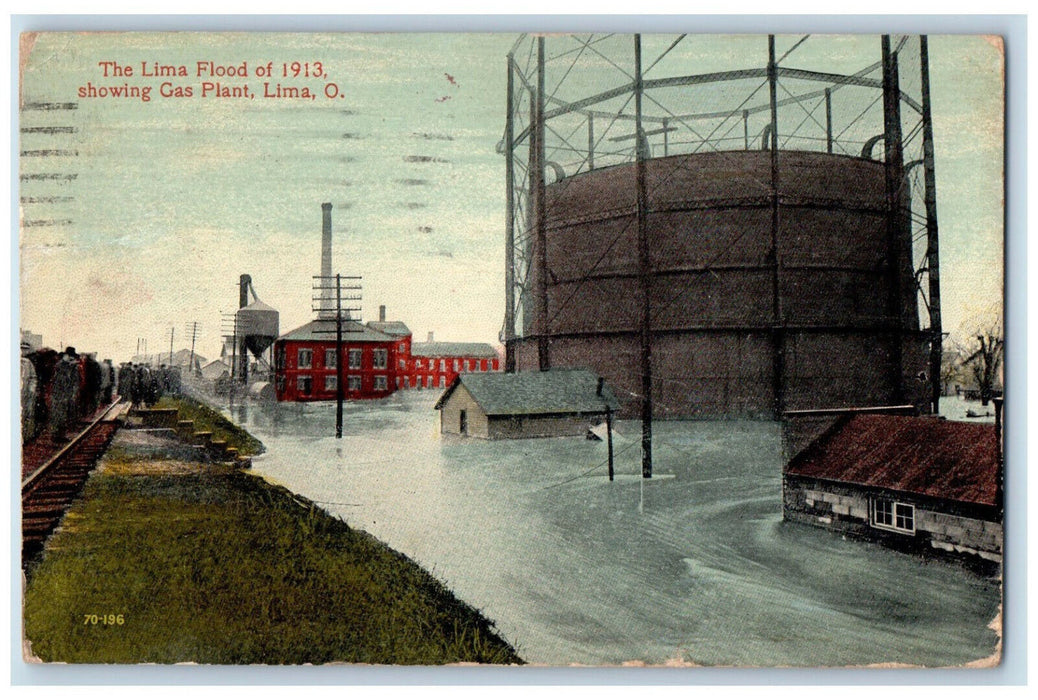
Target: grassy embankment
x: 208, y: 419
x: 207, y: 564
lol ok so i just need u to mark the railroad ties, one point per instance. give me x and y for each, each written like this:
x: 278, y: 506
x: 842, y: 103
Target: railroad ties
x: 50, y: 490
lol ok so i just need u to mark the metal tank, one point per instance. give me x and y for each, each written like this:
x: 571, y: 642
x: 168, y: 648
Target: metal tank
x: 703, y: 266
x: 258, y: 326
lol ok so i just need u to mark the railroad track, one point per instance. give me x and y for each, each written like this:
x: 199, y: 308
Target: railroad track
x: 49, y: 490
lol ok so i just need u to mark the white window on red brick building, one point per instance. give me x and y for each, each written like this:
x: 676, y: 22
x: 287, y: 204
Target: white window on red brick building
x: 304, y: 384
x: 353, y: 382
x: 305, y: 358
x: 330, y: 359
x: 380, y: 381
x: 380, y: 359
x: 354, y: 359
x: 331, y: 383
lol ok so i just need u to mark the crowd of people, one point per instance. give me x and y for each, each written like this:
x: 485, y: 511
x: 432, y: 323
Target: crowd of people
x: 143, y: 385
x: 60, y: 389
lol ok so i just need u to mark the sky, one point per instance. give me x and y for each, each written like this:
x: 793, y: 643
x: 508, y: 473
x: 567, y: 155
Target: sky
x: 174, y: 197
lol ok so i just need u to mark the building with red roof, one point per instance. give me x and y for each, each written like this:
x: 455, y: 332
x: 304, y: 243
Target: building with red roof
x: 914, y: 482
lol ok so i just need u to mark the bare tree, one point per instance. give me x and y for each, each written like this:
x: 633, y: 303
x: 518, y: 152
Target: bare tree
x: 953, y: 373
x: 983, y: 361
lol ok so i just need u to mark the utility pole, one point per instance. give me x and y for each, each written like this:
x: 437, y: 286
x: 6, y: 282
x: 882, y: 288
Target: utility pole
x: 644, y: 264
x: 537, y: 193
x: 778, y: 336
x: 933, y: 258
x: 192, y: 330
x: 509, y: 331
x: 171, y: 346
x: 230, y: 325
x: 324, y: 285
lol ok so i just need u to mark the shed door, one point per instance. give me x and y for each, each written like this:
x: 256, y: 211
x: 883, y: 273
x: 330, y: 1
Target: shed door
x: 463, y: 423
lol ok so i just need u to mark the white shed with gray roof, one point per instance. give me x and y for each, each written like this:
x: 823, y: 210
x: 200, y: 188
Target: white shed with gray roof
x: 525, y: 404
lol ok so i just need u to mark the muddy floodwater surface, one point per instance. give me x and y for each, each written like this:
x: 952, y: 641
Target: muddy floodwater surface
x: 695, y: 565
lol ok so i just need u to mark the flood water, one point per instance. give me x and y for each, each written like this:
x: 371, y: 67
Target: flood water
x: 694, y: 565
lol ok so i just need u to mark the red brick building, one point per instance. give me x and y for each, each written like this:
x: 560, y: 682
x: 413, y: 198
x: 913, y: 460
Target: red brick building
x: 305, y: 361
x: 379, y: 358
x: 402, y: 363
x: 437, y: 365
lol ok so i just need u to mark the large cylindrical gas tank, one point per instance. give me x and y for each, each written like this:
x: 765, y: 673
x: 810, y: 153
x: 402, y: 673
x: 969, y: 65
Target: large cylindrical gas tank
x: 738, y: 290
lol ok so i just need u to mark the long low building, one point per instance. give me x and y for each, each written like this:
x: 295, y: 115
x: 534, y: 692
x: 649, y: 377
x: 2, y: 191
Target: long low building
x: 437, y: 364
x: 912, y: 482
x: 552, y: 403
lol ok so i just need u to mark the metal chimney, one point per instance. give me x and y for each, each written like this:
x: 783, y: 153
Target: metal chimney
x: 327, y: 294
x: 430, y: 337
x: 382, y: 313
x: 243, y: 291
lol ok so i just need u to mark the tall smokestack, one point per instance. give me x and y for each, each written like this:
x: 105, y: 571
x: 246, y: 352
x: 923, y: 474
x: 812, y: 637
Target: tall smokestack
x: 327, y: 293
x: 382, y: 313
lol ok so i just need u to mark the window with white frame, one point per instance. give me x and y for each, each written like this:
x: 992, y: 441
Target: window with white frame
x: 331, y: 383
x: 330, y: 358
x: 443, y: 382
x: 456, y: 365
x: 443, y: 365
x: 305, y: 358
x: 353, y: 382
x: 892, y: 515
x: 380, y: 382
x: 380, y: 359
x: 354, y: 358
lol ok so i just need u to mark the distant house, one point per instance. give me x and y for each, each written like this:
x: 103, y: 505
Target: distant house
x: 912, y: 482
x: 181, y: 358
x: 33, y: 340
x: 524, y: 404
x: 435, y: 365
x: 216, y: 369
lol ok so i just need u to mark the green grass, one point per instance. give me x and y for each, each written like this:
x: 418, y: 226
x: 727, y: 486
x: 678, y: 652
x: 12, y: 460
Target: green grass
x: 208, y: 419
x: 216, y: 566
